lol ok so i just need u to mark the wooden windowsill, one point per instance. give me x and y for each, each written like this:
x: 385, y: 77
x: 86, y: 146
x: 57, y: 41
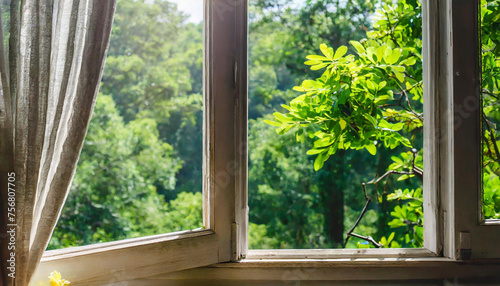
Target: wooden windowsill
x: 341, y: 269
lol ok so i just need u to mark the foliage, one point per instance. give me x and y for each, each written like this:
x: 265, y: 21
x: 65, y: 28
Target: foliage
x: 490, y: 15
x: 126, y: 162
x: 368, y: 100
x: 283, y: 195
x: 280, y: 36
x: 154, y: 69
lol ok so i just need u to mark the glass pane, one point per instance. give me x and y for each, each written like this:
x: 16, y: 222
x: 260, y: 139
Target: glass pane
x: 490, y: 12
x: 137, y: 174
x: 335, y: 127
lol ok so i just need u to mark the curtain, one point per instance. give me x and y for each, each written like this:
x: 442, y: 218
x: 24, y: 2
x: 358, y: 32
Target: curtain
x: 50, y: 69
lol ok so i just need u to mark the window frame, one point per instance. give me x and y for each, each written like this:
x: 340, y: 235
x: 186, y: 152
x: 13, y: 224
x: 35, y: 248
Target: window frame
x: 467, y: 234
x: 453, y: 228
x: 431, y: 195
x: 129, y: 259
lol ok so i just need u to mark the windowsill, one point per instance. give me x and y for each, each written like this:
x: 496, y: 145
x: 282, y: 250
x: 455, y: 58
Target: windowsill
x: 326, y: 265
x: 341, y: 269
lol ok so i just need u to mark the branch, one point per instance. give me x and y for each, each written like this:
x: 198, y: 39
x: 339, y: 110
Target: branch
x: 409, y: 105
x: 369, y: 239
x: 416, y: 171
x: 390, y: 172
x: 487, y: 92
x: 363, y: 212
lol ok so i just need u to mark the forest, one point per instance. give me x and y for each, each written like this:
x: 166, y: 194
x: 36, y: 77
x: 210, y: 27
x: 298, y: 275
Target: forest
x: 335, y: 126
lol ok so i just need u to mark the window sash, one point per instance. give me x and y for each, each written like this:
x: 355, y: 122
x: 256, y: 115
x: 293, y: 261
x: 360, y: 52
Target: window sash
x: 453, y: 225
x: 432, y: 226
x: 224, y: 90
x: 466, y: 234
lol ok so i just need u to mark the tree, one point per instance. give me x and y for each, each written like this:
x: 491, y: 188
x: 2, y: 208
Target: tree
x: 277, y: 43
x: 368, y: 100
x: 113, y: 195
x: 154, y: 69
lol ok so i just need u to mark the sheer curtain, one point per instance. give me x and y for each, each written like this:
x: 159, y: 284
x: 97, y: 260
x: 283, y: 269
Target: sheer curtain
x: 50, y: 69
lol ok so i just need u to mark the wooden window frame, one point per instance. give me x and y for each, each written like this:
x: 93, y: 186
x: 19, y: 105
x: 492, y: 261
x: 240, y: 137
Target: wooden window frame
x: 454, y: 227
x: 467, y: 233
x: 224, y: 104
x: 431, y: 192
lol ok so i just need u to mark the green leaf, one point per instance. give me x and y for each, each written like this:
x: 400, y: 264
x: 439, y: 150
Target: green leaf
x: 372, y: 120
x: 372, y: 149
x: 342, y: 123
x: 380, y: 53
x: 323, y: 142
x: 409, y: 61
x: 399, y: 76
x: 371, y: 86
x: 309, y: 84
x: 371, y: 54
x: 341, y: 51
x: 387, y: 55
x: 382, y: 99
x: 392, y: 56
x: 399, y: 68
x: 320, y: 160
x: 403, y: 177
x: 300, y: 136
x: 281, y: 117
x: 326, y: 51
x: 315, y: 151
x: 313, y: 63
x: 382, y: 85
x: 358, y: 46
x: 397, y: 126
x: 317, y: 58
x: 318, y: 67
x: 391, y: 237
x: 273, y: 123
x: 344, y: 96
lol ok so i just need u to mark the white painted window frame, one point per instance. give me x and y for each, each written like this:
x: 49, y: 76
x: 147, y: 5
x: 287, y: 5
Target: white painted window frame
x: 433, y: 242
x: 453, y: 227
x: 224, y: 104
x: 466, y: 233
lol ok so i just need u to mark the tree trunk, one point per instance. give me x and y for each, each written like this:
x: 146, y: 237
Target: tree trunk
x: 330, y: 179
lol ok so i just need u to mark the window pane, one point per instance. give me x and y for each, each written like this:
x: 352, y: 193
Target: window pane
x: 140, y: 171
x: 351, y: 115
x: 490, y: 11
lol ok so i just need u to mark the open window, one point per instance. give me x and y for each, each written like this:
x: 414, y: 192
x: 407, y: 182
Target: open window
x: 105, y: 263
x: 453, y: 203
x: 338, y: 193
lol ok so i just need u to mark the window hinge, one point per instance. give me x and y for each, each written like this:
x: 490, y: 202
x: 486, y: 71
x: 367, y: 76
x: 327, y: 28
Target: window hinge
x: 234, y: 242
x: 465, y: 247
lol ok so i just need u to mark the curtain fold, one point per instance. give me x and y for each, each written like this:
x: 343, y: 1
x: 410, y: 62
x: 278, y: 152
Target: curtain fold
x: 49, y: 83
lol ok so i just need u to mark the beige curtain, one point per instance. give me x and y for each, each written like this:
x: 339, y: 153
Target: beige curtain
x: 50, y: 75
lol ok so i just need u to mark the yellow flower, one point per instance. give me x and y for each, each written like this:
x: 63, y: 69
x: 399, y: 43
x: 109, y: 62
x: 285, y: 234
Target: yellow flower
x: 56, y: 279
